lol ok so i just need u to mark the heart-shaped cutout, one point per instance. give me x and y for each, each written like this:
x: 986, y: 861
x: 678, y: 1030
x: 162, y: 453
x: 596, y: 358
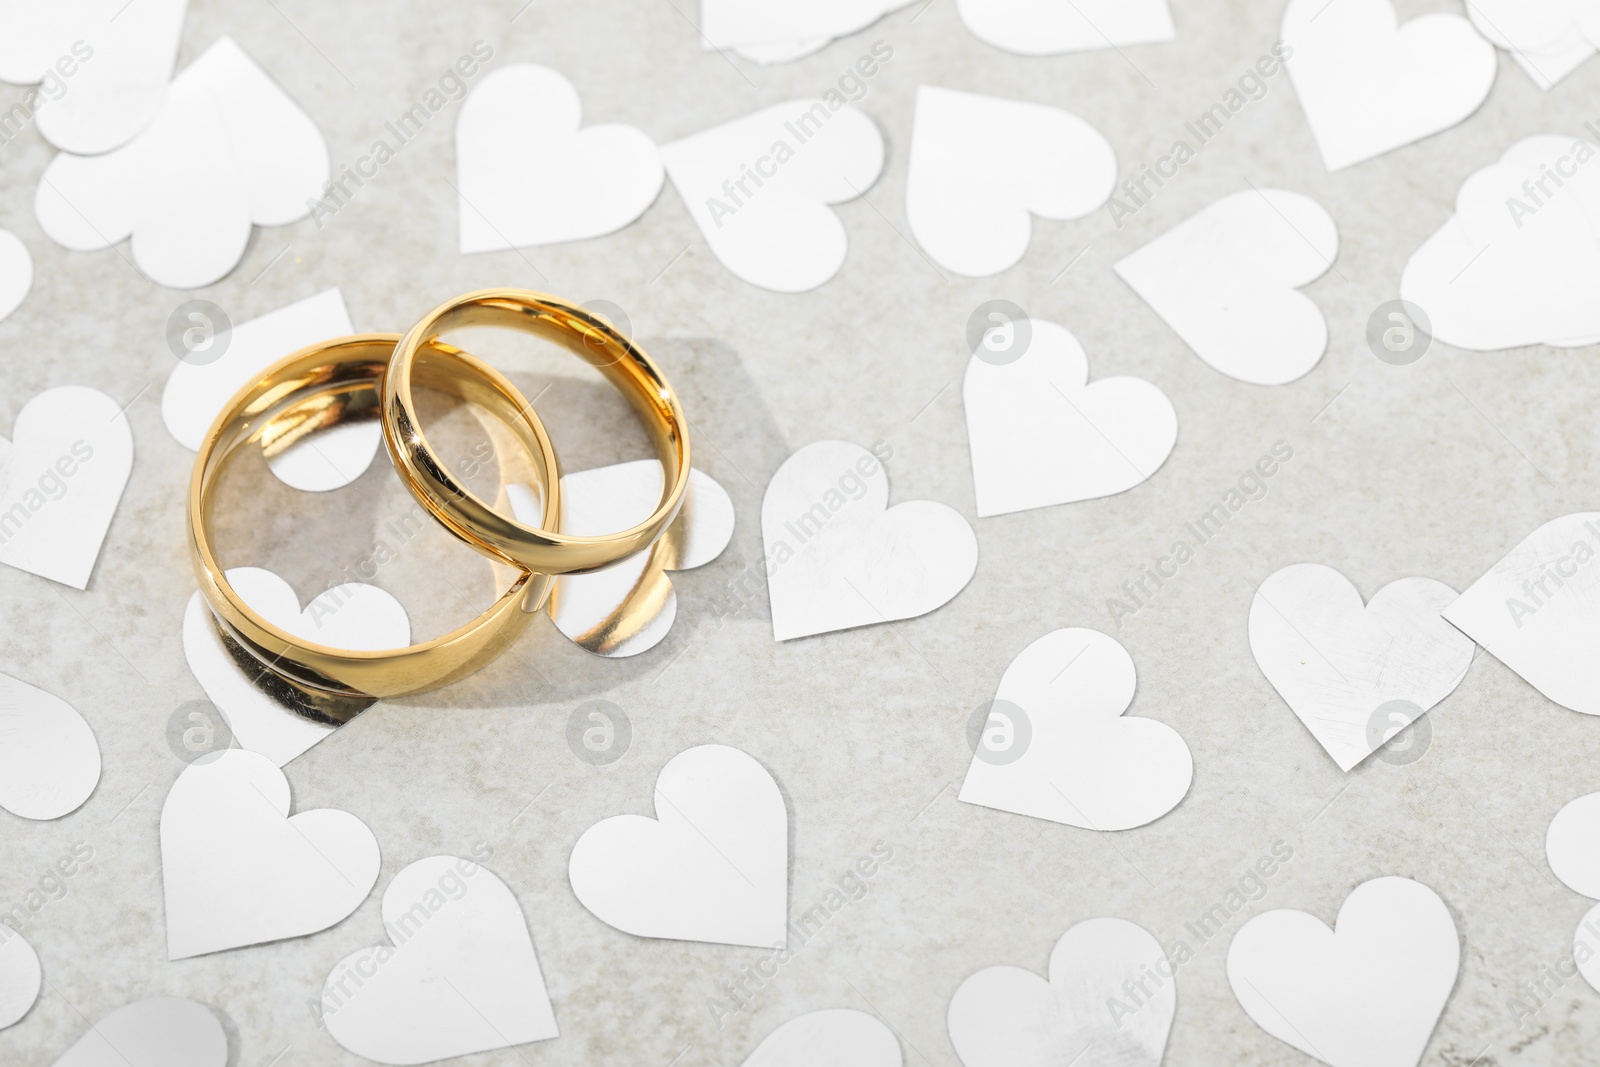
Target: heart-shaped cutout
x: 156, y: 1032
x: 1354, y: 674
x: 1057, y: 745
x: 206, y: 379
x: 837, y: 556
x: 590, y: 608
x: 21, y: 977
x: 49, y: 759
x: 1369, y: 85
x: 712, y: 866
x: 1367, y: 993
x: 228, y: 151
x: 1226, y: 281
x: 526, y: 173
x: 1536, y: 610
x: 1109, y: 1003
x: 16, y: 273
x: 238, y: 870
x: 1044, y: 27
x: 104, y: 66
x: 761, y: 188
x: 1516, y: 265
x: 837, y: 1037
x: 64, y: 472
x: 1549, y: 39
x: 982, y: 167
x: 1570, y: 846
x: 269, y: 718
x: 462, y: 976
x: 1042, y: 435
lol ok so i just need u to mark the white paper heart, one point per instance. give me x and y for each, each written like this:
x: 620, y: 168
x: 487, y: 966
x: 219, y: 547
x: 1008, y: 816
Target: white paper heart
x: 350, y: 616
x: 835, y: 1037
x: 20, y: 977
x: 1369, y: 85
x: 104, y: 65
x: 837, y: 556
x: 462, y: 976
x: 1538, y: 610
x: 1355, y: 675
x: 1046, y: 27
x: 229, y: 150
x: 64, y: 472
x: 732, y: 23
x: 1571, y: 847
x: 1364, y: 994
x: 1057, y: 745
x: 1226, y: 281
x: 527, y: 175
x: 712, y: 866
x: 1549, y: 39
x: 982, y: 167
x: 200, y: 387
x: 1516, y: 266
x: 156, y: 1032
x: 760, y: 188
x: 587, y: 607
x: 1084, y: 1015
x: 1041, y: 435
x: 49, y: 759
x: 16, y: 273
x: 238, y: 870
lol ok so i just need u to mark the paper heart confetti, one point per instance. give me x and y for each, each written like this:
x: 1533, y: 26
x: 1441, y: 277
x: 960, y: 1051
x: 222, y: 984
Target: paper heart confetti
x: 1536, y: 611
x: 49, y: 759
x: 1367, y: 993
x: 588, y: 607
x: 1519, y: 261
x: 982, y: 167
x: 101, y: 66
x: 462, y: 976
x: 527, y: 174
x: 1353, y: 674
x: 239, y: 870
x: 1042, y: 435
x: 229, y: 150
x: 837, y: 556
x: 1226, y: 280
x: 761, y: 188
x: 1099, y: 1008
x: 1057, y: 745
x: 712, y: 866
x: 20, y: 977
x: 1369, y: 85
x: 837, y: 1037
x: 202, y: 384
x: 16, y: 273
x: 733, y: 23
x: 1043, y: 27
x: 61, y: 478
x: 1570, y: 845
x: 156, y: 1032
x: 1549, y: 39
x: 268, y: 718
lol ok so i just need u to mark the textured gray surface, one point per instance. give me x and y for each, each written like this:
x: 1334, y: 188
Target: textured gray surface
x: 1434, y: 469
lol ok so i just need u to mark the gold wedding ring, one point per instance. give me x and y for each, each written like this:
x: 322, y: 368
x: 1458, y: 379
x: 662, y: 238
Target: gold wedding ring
x: 543, y: 551
x: 330, y: 384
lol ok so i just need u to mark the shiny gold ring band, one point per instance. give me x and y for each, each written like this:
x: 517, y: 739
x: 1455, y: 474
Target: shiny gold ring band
x: 545, y: 551
x: 329, y: 384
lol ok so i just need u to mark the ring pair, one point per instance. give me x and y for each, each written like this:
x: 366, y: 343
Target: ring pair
x: 367, y: 376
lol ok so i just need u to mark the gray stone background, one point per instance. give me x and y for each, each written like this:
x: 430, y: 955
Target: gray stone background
x: 1433, y: 469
